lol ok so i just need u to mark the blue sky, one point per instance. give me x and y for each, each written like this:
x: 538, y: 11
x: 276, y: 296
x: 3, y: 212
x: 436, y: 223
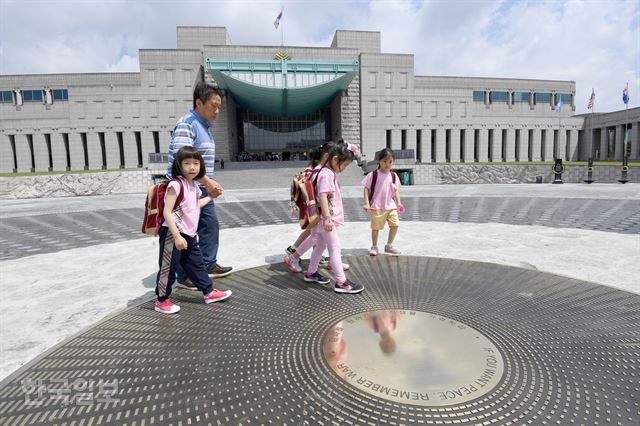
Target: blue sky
x: 595, y: 43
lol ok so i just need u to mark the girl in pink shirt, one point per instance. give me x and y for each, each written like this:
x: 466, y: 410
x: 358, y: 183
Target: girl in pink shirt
x: 383, y: 201
x: 177, y: 235
x: 331, y: 216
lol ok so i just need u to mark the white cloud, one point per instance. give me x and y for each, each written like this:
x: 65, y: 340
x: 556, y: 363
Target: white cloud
x: 593, y: 42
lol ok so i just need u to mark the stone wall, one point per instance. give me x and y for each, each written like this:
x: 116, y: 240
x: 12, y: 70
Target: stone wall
x: 439, y: 174
x: 137, y: 181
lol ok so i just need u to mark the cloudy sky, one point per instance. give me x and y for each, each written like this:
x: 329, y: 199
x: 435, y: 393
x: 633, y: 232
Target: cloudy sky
x: 593, y: 42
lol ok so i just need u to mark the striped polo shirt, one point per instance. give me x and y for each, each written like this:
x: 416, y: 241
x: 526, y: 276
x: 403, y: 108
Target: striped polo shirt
x: 193, y: 130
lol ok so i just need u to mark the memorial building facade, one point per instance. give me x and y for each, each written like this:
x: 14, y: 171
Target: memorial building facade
x: 282, y: 100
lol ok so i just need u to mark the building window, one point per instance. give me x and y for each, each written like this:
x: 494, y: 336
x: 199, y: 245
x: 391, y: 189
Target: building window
x: 419, y: 106
x: 153, y: 107
x: 373, y: 108
x: 6, y: 97
x: 478, y: 96
x: 498, y: 97
x: 403, y: 108
x: 372, y: 79
x: 170, y: 77
x: 60, y: 94
x: 387, y: 80
x: 152, y: 77
x: 404, y: 78
x: 520, y: 97
x: 32, y: 95
x: 135, y: 109
x: 188, y: 80
x: 99, y: 109
x: 566, y: 98
x: 117, y: 107
x: 540, y: 98
x: 388, y: 108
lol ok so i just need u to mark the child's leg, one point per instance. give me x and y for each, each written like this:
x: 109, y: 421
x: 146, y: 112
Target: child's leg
x: 317, y: 251
x: 303, y: 236
x: 193, y: 264
x: 374, y: 237
x: 169, y: 258
x: 306, y: 244
x: 393, y: 231
x: 333, y: 243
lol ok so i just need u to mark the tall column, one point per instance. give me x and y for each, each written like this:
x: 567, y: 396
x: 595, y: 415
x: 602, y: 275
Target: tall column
x: 536, y: 144
x: 411, y: 141
x: 113, y: 152
x: 23, y: 153
x: 426, y: 145
x: 454, y: 144
x: 130, y: 150
x: 441, y: 145
x: 6, y: 155
x: 523, y: 148
x: 635, y: 138
x: 95, y: 151
x: 548, y: 144
x: 619, y: 146
x: 59, y: 152
x: 41, y: 152
x: 510, y: 145
x: 76, y: 152
x: 147, y: 146
x: 483, y: 144
x: 572, y: 146
x: 604, y: 144
x: 497, y: 145
x: 562, y: 144
x: 468, y: 145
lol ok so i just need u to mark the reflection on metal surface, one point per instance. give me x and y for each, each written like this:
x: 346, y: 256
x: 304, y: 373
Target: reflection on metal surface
x: 413, y: 357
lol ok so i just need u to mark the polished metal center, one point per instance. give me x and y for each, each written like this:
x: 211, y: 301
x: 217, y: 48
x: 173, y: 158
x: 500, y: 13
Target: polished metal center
x: 413, y: 357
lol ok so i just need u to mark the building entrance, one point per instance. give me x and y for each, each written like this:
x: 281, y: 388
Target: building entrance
x: 263, y: 137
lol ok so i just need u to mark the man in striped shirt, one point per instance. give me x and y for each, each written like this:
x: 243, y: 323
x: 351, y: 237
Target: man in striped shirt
x: 194, y: 129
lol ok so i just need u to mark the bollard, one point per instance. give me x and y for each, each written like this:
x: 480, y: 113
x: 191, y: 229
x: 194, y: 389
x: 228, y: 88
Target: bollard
x: 625, y: 168
x: 589, y: 178
x: 558, y: 168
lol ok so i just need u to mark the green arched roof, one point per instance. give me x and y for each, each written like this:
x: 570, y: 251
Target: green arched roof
x: 282, y: 88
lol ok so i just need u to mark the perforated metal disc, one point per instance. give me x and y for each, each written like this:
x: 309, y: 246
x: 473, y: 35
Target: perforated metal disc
x: 570, y: 351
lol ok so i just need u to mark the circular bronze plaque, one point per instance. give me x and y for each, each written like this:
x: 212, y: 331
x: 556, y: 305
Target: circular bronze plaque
x: 413, y: 357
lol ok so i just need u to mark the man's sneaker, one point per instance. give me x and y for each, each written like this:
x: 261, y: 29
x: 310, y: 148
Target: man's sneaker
x: 217, y: 296
x: 348, y: 287
x: 187, y: 284
x: 389, y: 249
x: 373, y: 251
x: 166, y: 307
x: 324, y: 260
x: 316, y: 278
x: 219, y: 271
x: 345, y: 267
x: 292, y: 263
x: 290, y: 249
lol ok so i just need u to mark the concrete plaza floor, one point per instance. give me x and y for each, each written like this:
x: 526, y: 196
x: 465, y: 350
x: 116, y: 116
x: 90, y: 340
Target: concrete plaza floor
x: 51, y: 296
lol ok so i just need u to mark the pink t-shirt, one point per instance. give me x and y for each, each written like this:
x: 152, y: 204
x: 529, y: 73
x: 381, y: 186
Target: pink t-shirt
x: 385, y: 190
x: 187, y: 214
x: 328, y: 183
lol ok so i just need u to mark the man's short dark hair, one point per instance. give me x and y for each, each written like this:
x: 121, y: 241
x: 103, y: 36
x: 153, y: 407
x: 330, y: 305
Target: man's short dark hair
x: 204, y: 92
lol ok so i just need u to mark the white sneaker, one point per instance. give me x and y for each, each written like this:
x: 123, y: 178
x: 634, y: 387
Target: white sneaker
x: 373, y: 251
x: 389, y: 249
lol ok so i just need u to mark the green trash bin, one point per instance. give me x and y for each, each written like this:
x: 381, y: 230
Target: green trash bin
x: 405, y: 177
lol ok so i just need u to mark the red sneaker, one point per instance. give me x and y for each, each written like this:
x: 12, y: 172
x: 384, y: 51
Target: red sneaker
x: 217, y: 296
x: 166, y: 307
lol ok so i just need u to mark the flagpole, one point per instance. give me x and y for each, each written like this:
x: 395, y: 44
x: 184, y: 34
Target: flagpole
x: 281, y: 27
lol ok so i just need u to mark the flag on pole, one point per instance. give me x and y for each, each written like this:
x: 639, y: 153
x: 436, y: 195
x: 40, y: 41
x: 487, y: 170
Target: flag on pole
x: 625, y: 94
x: 560, y: 105
x: 591, y: 99
x: 276, y: 23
